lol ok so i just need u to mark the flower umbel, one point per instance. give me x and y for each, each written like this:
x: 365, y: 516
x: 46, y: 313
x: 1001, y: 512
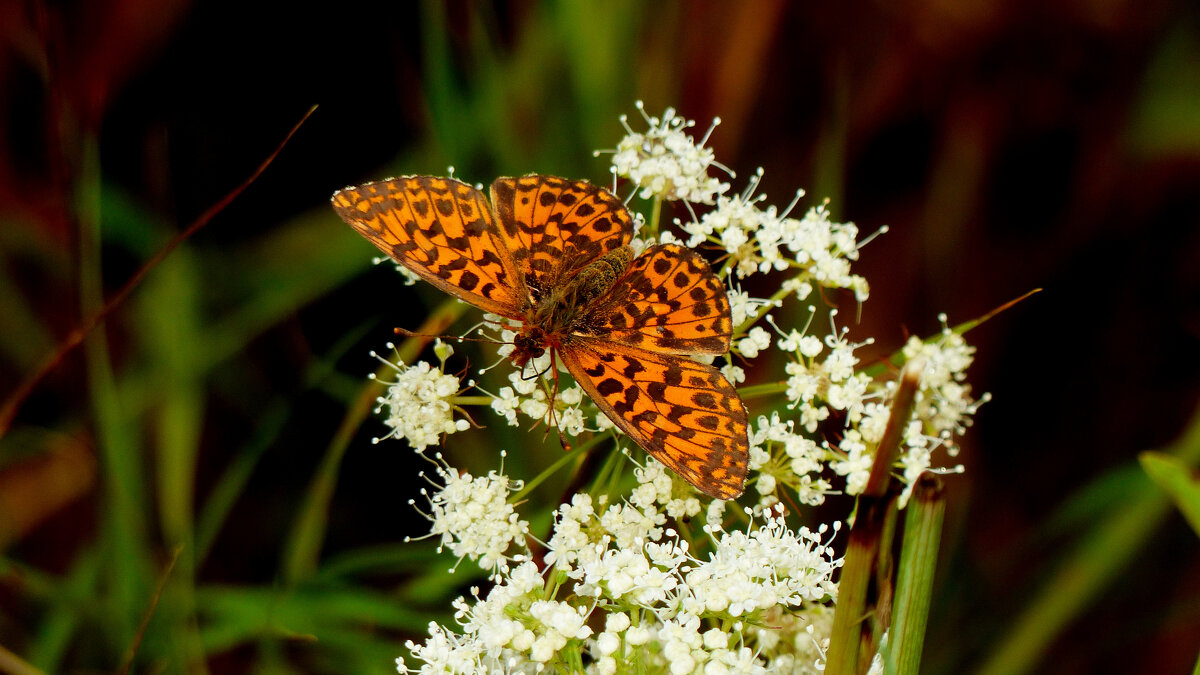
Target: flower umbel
x: 473, y: 518
x: 665, y: 162
x: 419, y: 403
x: 662, y: 610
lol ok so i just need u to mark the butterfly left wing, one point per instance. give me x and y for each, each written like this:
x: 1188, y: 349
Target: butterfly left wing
x: 444, y: 231
x: 684, y: 413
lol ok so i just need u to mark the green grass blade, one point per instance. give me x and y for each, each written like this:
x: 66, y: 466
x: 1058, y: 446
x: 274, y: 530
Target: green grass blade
x: 1177, y: 480
x: 914, y: 582
x: 123, y: 532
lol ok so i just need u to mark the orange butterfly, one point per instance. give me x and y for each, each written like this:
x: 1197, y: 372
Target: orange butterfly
x: 553, y: 255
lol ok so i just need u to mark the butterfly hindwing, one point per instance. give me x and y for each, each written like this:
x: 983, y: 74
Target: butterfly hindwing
x: 684, y: 413
x: 441, y: 229
x: 668, y: 301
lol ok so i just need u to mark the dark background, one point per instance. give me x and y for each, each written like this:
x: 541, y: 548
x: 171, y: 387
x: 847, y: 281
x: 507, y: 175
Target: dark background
x: 1008, y: 147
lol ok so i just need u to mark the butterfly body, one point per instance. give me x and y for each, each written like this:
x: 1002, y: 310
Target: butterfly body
x: 559, y: 313
x: 553, y: 256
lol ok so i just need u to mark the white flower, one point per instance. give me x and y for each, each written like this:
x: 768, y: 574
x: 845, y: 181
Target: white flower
x: 742, y: 306
x: 418, y: 403
x: 665, y: 162
x: 629, y: 524
x: 570, y: 532
x: 804, y: 460
x: 761, y: 239
x: 735, y: 374
x: 656, y: 488
x: 755, y: 341
x: 446, y: 652
x: 410, y: 277
x: 849, y: 395
x: 473, y: 518
x: 506, y: 404
x: 856, y: 464
x: 945, y: 403
x: 761, y: 568
x: 561, y: 622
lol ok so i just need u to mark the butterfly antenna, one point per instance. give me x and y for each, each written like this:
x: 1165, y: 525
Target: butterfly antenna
x: 457, y: 338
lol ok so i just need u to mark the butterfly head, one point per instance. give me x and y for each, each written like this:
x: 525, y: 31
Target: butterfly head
x: 528, y: 345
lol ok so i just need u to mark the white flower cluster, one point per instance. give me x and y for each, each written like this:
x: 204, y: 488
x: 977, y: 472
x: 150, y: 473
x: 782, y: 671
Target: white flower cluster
x: 759, y: 240
x: 667, y: 163
x: 823, y: 379
x: 419, y: 404
x: 820, y: 381
x: 797, y: 461
x: 472, y: 517
x: 944, y: 405
x: 662, y: 610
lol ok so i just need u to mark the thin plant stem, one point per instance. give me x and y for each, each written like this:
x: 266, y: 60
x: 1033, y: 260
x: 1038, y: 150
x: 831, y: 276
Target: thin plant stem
x: 655, y: 216
x: 73, y: 339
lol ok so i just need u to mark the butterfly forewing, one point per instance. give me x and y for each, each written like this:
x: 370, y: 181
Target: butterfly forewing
x: 684, y: 413
x: 441, y: 229
x: 554, y: 227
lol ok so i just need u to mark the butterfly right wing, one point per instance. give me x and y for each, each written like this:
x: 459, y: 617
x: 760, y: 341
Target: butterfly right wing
x: 684, y: 413
x: 444, y: 231
x: 668, y: 301
x: 554, y: 226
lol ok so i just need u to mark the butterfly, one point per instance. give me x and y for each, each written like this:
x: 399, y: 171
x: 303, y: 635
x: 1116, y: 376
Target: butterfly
x: 552, y: 255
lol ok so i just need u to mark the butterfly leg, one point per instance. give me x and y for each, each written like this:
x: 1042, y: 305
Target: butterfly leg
x: 553, y: 396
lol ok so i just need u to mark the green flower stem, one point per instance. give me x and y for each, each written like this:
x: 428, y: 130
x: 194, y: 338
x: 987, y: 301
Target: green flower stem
x: 655, y: 216
x: 848, y: 641
x: 567, y: 457
x: 762, y: 390
x: 914, y: 583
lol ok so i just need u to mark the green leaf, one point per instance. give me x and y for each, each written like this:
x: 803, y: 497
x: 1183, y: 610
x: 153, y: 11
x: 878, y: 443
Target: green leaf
x: 914, y: 580
x: 1178, y: 480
